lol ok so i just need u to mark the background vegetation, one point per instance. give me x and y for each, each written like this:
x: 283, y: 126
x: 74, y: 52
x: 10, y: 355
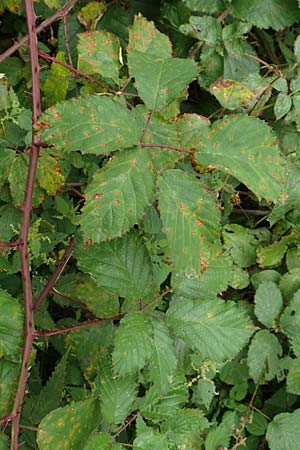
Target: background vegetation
x: 149, y: 225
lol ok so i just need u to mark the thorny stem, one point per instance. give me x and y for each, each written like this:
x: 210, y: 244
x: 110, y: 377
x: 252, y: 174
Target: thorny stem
x: 52, y: 280
x: 23, y: 247
x: 9, y: 244
x: 61, y: 13
x: 169, y: 147
x: 77, y: 326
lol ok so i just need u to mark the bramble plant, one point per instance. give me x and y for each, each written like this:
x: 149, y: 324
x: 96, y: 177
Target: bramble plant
x: 149, y: 225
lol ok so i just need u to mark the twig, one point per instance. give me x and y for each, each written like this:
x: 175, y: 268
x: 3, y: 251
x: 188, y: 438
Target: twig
x: 23, y: 247
x: 60, y: 13
x: 146, y: 126
x: 66, y: 297
x: 9, y: 244
x: 77, y: 326
x: 126, y: 425
x: 54, y: 277
x: 156, y: 299
x: 169, y: 147
x: 251, y: 212
x: 75, y: 71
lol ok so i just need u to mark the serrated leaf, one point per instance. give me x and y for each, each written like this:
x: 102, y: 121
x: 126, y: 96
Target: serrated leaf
x: 293, y: 378
x: 7, y: 157
x: 49, y: 175
x: 185, y: 426
x: 246, y: 148
x: 118, y: 195
x: 98, y: 52
x: 215, y: 328
x: 122, y: 265
x: 117, y: 394
x: 133, y: 344
x: 160, y: 81
x: 10, y: 222
x: 163, y: 361
x: 231, y: 94
x: 9, y: 373
x: 220, y: 436
x: 284, y: 432
x: 268, y: 303
x: 36, y: 407
x: 11, y: 327
x: 91, y: 124
x: 204, y: 28
x: 272, y: 255
x: 204, y: 392
x: 144, y: 37
x: 263, y: 356
x: 69, y: 427
x: 290, y: 318
x: 214, y: 280
x: 190, y: 217
x: 267, y: 14
x: 289, y: 283
x: 156, y: 406
x: 282, y: 105
x: 205, y: 6
x: 151, y: 440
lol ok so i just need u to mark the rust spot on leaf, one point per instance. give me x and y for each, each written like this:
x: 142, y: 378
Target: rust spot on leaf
x: 97, y: 196
x: 199, y: 223
x: 117, y: 202
x: 181, y: 206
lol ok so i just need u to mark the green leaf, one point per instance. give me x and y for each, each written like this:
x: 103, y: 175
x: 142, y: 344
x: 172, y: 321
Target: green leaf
x: 9, y: 373
x: 10, y: 222
x: 220, y: 436
x: 37, y: 406
x: 156, y: 406
x: 122, y: 265
x: 290, y: 318
x: 185, y: 426
x: 82, y: 287
x: 284, y: 432
x: 241, y: 243
x: 205, y: 6
x: 101, y: 441
x: 215, y: 328
x: 263, y: 356
x: 214, y: 280
x: 118, y: 195
x: 257, y: 424
x: 69, y: 427
x: 231, y: 94
x: 272, y: 255
x: 293, y: 378
x: 56, y: 86
x: 151, y: 440
x: 7, y: 157
x: 190, y: 217
x: 49, y: 174
x: 133, y: 344
x: 204, y: 28
x: 163, y: 361
x: 289, y: 283
x: 4, y: 442
x: 17, y: 182
x: 268, y: 303
x: 11, y: 327
x: 282, y: 105
x: 246, y: 148
x: 204, y: 392
x: 91, y: 124
x: 88, y: 344
x: 117, y: 395
x: 98, y: 52
x: 271, y: 13
x: 160, y: 81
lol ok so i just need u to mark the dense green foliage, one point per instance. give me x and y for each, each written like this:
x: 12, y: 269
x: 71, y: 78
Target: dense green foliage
x: 170, y: 153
